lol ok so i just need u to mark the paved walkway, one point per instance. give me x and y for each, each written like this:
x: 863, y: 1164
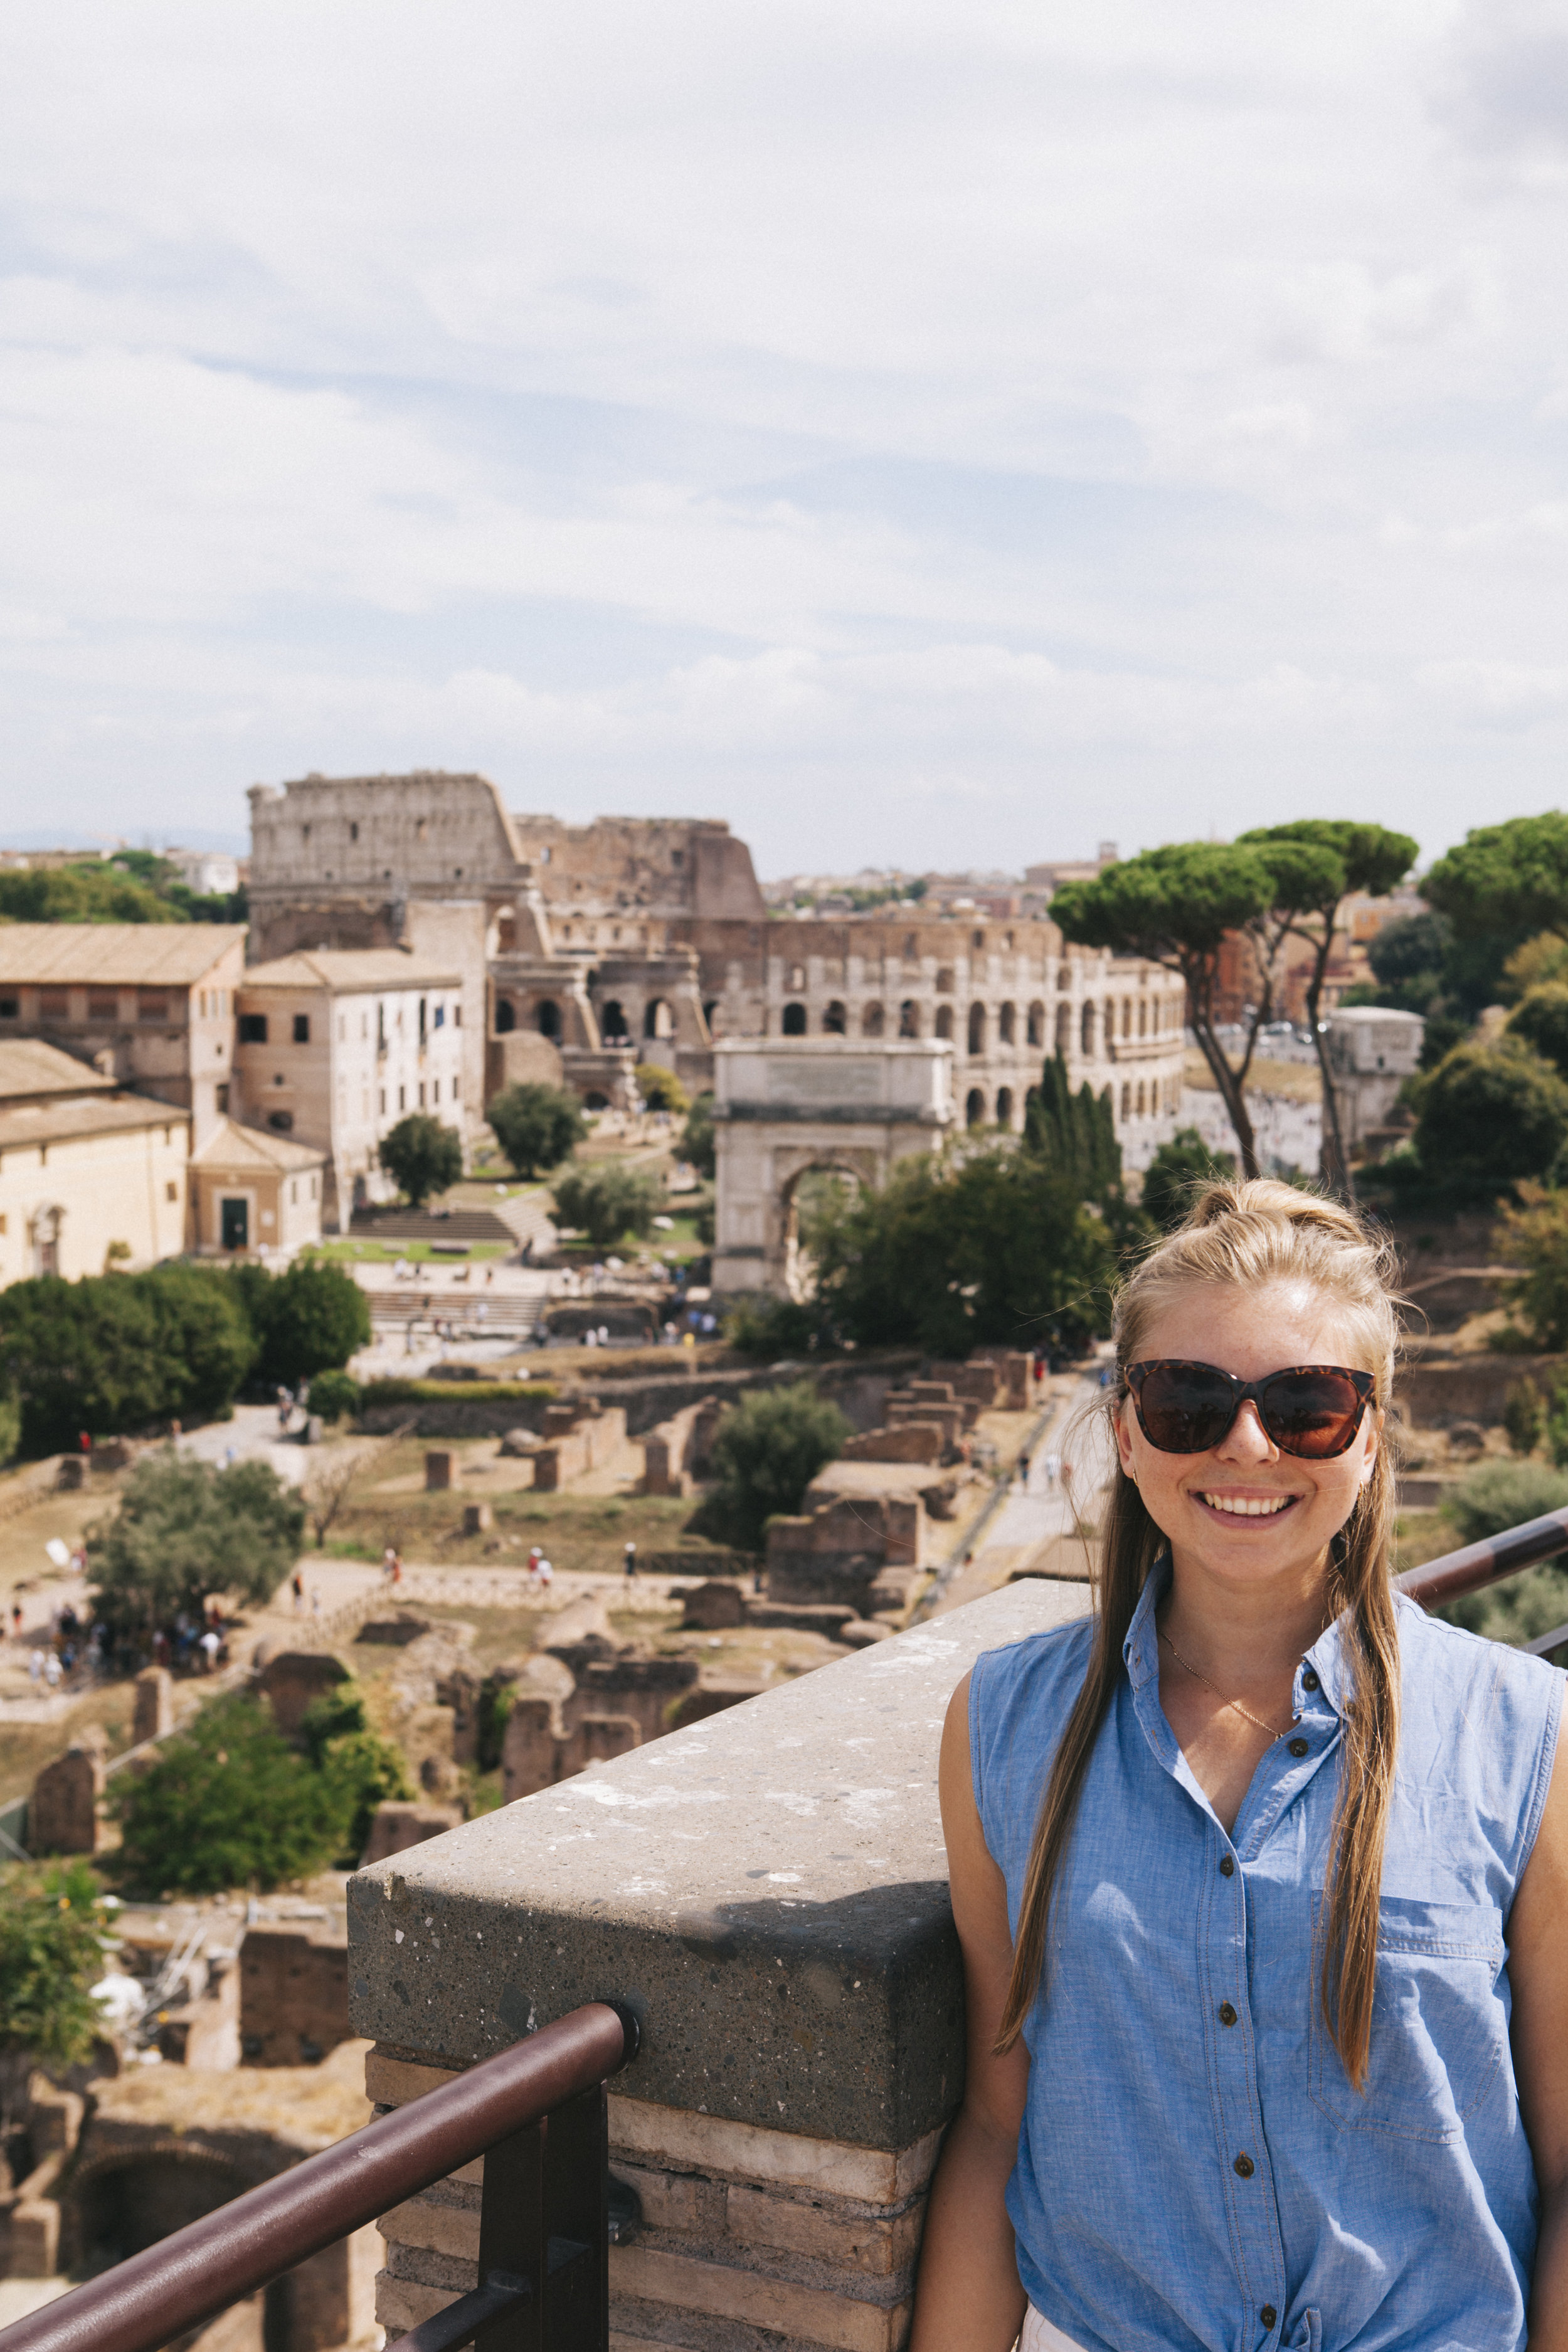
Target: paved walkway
x: 1034, y: 1516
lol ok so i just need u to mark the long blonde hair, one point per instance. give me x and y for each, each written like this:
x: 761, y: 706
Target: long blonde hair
x: 1243, y: 1236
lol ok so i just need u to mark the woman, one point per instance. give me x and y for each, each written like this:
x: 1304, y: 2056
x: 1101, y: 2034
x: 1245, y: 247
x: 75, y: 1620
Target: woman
x: 1261, y: 1878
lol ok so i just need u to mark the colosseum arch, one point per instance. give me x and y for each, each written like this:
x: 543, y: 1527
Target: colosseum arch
x: 944, y: 1023
x: 1086, y: 1037
x: 836, y: 1020
x: 794, y: 1021
x: 977, y: 1029
x: 872, y: 1021
x: 1035, y: 1032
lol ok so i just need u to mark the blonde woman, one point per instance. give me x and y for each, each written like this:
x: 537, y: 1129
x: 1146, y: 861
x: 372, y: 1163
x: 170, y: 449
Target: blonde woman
x: 1261, y: 1878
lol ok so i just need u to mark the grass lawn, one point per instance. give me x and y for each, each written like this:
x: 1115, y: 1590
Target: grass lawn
x: 388, y: 1253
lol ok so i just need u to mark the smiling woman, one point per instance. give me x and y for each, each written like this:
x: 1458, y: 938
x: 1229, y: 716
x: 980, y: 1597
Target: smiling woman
x: 1262, y: 1872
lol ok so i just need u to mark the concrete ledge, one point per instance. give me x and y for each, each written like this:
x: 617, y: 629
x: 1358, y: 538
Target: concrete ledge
x: 768, y: 1890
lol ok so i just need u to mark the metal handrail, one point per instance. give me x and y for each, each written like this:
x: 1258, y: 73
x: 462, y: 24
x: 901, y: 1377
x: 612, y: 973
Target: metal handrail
x: 1477, y: 1564
x: 537, y: 2112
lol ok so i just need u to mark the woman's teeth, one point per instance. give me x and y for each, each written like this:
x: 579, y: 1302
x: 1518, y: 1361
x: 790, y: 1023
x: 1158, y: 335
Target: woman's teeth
x: 1250, y: 1507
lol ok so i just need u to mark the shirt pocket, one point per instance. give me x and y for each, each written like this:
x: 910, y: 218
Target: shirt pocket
x: 1438, y: 2021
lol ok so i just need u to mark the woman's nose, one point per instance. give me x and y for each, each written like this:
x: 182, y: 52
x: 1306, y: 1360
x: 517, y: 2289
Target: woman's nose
x: 1246, y: 1440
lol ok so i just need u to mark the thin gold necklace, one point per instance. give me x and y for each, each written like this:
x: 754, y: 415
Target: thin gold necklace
x: 1203, y: 1678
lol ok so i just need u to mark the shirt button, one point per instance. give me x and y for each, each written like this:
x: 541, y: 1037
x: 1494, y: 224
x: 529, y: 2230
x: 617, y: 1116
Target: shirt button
x: 1244, y: 2167
x: 1227, y: 1867
x: 1226, y: 2014
x: 1268, y: 2315
x: 1298, y: 1748
x: 1309, y: 1682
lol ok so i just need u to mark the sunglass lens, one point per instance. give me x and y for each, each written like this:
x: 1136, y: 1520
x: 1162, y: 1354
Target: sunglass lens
x: 1311, y: 1414
x: 1186, y: 1408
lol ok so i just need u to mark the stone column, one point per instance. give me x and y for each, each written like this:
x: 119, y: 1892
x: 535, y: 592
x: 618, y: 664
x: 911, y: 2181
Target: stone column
x: 768, y: 1891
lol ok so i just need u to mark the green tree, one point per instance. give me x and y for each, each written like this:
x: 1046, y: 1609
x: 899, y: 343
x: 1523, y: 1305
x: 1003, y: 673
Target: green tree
x: 966, y: 1248
x: 697, y: 1145
x: 227, y: 1803
x: 1495, y: 1496
x: 768, y: 1450
x: 1176, y: 907
x: 422, y: 1156
x: 80, y: 894
x: 1540, y: 1018
x: 334, y: 1396
x: 607, y: 1199
x: 1491, y: 1115
x: 1535, y: 1237
x: 184, y: 1530
x: 1505, y: 879
x: 537, y: 1127
x: 1316, y: 863
x: 362, y: 1770
x: 52, y: 1932
x: 121, y: 1353
x: 1174, y: 1174
x: 1523, y: 1416
x: 661, y: 1089
x: 309, y: 1318
x: 10, y: 1422
x: 1073, y: 1134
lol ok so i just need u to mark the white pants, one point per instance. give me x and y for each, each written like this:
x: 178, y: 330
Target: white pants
x: 1039, y: 2336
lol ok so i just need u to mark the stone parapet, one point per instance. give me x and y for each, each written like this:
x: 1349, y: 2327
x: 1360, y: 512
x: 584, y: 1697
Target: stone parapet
x: 768, y: 1891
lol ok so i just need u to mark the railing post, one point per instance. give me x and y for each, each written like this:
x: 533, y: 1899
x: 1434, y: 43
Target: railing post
x: 514, y: 2238
x: 577, y: 2210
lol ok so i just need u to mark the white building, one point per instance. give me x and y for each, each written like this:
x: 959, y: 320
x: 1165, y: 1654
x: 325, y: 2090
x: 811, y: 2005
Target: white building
x: 335, y: 1045
x: 204, y: 871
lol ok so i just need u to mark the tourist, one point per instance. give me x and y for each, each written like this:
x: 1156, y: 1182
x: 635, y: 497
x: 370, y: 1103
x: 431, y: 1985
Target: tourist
x: 16, y: 1621
x: 1053, y: 1471
x: 52, y: 1669
x: 630, y: 1559
x: 210, y: 1644
x: 296, y: 1587
x: 543, y: 1573
x: 36, y: 1666
x: 1258, y: 1876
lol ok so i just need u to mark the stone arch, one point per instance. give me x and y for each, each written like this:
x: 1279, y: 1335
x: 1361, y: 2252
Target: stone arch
x: 794, y: 1021
x: 872, y: 1021
x: 1142, y: 1016
x: 1035, y: 1026
x: 836, y: 1020
x: 596, y: 1101
x: 1127, y: 1016
x: 1006, y: 1019
x: 657, y: 1020
x: 1086, y: 1034
x: 613, y: 1026
x: 506, y: 1017
x: 1140, y: 1103
x: 1005, y: 1107
x: 908, y: 1018
x: 977, y: 1029
x: 859, y: 1166
x: 1126, y: 1100
x: 974, y: 1108
x: 943, y: 1021
x: 1064, y: 1030
x: 547, y: 1014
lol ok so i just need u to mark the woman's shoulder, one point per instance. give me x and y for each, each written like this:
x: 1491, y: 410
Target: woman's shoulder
x: 1450, y: 1662
x: 1027, y: 1670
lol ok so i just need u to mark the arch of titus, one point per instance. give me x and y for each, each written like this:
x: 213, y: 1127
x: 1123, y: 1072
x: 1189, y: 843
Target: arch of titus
x: 782, y: 1109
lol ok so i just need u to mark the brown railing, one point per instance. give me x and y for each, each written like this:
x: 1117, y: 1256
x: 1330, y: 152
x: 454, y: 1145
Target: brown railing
x: 536, y: 2115
x: 1486, y: 1562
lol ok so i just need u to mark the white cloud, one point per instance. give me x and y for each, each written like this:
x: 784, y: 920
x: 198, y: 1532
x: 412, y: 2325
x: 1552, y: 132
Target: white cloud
x: 829, y: 415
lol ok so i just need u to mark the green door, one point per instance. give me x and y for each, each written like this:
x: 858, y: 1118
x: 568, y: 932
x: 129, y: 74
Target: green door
x: 236, y: 1215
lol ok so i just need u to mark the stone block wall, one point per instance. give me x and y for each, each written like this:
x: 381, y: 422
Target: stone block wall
x: 293, y: 1996
x: 395, y: 1826
x: 62, y: 1812
x: 743, y: 2229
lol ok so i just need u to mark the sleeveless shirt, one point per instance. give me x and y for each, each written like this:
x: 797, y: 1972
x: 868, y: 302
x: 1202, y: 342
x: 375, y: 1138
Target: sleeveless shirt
x: 1195, y: 2171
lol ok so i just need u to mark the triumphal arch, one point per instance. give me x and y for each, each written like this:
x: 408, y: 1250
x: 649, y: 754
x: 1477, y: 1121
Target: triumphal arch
x: 785, y: 1106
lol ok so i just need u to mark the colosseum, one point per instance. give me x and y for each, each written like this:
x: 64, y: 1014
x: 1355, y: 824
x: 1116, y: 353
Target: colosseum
x: 591, y: 948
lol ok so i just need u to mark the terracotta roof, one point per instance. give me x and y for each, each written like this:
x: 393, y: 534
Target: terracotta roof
x: 128, y: 955
x: 67, y: 1116
x: 233, y: 1146
x: 29, y: 1067
x: 347, y: 970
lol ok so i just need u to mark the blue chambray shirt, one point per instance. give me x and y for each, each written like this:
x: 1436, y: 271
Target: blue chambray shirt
x: 1195, y: 2172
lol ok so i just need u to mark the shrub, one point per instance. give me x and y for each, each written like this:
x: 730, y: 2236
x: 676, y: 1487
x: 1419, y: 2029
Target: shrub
x: 661, y: 1089
x: 51, y: 1954
x: 1502, y: 1494
x: 607, y: 1199
x: 10, y: 1422
x: 537, y: 1127
x: 963, y: 1248
x: 767, y: 1329
x: 1175, y: 1172
x: 1491, y: 1114
x: 1535, y: 1237
x: 185, y: 1530
x: 115, y: 1352
x: 334, y: 1396
x: 768, y: 1450
x: 1540, y: 1018
x: 1523, y: 1416
x: 309, y: 1318
x: 422, y: 1156
x: 227, y: 1803
x: 696, y: 1144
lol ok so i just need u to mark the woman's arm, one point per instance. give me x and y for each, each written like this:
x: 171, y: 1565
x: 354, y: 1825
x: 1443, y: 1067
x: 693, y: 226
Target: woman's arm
x: 1538, y: 1974
x: 968, y: 2298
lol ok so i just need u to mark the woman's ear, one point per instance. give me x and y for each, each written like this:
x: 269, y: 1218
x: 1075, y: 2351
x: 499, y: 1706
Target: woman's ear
x: 1374, y: 1424
x: 1121, y: 1416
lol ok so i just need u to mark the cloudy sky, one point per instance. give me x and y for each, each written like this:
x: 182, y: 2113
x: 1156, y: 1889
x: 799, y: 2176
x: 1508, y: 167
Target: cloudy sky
x: 922, y: 434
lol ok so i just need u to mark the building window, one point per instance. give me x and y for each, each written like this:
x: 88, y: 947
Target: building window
x: 456, y: 1095
x: 977, y: 939
x: 1064, y: 1031
x: 10, y: 1008
x: 944, y: 1023
x: 835, y: 1022
x: 54, y: 1004
x: 977, y: 1028
x: 353, y: 832
x: 220, y: 1097
x: 548, y: 1017
x: 294, y: 1192
x: 1034, y: 1031
x: 1005, y: 1108
x: 908, y: 1018
x: 1139, y: 1097
x: 402, y: 1097
x: 421, y: 1093
x: 1126, y: 1101
x: 794, y: 1021
x: 102, y: 1005
x: 1127, y: 1016
x: 1005, y: 1020
x: 381, y: 1100
x: 301, y: 1028
x: 872, y: 1021
x: 456, y: 1016
x: 974, y: 1108
x: 170, y: 1191
x: 440, y: 1016
x: 253, y: 1028
x: 796, y: 980
x: 1087, y: 1033
x: 944, y: 981
x: 281, y: 1121
x: 435, y: 1090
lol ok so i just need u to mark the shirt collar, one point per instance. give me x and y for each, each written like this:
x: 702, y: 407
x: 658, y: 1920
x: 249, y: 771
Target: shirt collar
x: 1141, y: 1650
